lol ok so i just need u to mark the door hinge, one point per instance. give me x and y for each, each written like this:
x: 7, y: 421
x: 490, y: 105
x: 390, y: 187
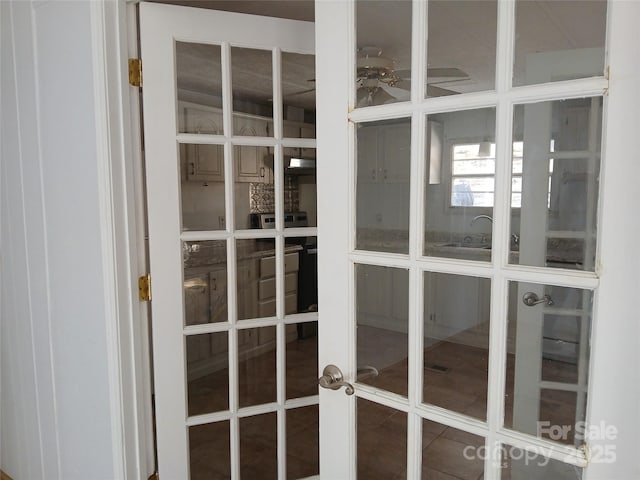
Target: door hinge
x: 144, y: 288
x: 135, y: 72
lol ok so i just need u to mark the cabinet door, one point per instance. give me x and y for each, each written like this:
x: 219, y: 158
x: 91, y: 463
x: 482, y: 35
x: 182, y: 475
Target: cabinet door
x: 308, y: 131
x: 395, y: 144
x: 367, y: 154
x: 204, y: 162
x: 196, y: 299
x: 291, y: 130
x: 218, y: 295
x: 250, y: 160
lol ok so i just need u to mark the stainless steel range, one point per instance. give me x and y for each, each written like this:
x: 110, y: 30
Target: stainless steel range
x: 308, y: 263
x: 268, y: 220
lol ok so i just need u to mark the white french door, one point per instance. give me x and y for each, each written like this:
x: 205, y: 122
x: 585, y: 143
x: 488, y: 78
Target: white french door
x: 464, y: 221
x: 234, y: 344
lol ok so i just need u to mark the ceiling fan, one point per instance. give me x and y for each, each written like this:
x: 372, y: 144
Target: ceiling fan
x: 379, y: 83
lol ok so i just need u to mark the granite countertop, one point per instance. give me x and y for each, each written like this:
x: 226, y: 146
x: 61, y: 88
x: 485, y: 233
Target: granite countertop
x: 209, y: 253
x: 565, y: 253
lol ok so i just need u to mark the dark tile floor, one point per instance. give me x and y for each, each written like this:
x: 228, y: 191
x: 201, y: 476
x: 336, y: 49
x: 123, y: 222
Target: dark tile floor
x: 382, y: 432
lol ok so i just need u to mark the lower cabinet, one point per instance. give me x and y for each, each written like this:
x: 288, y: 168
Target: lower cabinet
x: 205, y: 299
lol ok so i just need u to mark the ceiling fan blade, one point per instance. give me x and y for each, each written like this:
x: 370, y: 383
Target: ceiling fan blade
x: 400, y: 94
x: 441, y: 72
x: 433, y: 91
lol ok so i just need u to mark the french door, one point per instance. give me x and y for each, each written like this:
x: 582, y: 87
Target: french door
x: 461, y: 231
x: 464, y: 218
x: 227, y: 98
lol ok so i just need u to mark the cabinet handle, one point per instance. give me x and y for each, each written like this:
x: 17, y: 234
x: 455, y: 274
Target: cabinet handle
x: 373, y: 174
x: 262, y: 172
x: 192, y: 168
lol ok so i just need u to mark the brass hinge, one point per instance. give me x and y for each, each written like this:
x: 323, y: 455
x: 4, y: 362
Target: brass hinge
x: 144, y: 288
x: 135, y: 72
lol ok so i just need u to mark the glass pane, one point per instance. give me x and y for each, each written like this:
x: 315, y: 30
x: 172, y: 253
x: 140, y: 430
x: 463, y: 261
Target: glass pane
x: 461, y: 48
x: 547, y: 360
x: 252, y: 85
x: 300, y: 192
x: 449, y: 453
x: 209, y: 457
x: 459, y: 192
x: 205, y: 281
x: 202, y: 187
x: 302, y: 360
x: 302, y: 442
x: 299, y: 95
x: 253, y: 185
x: 559, y: 40
x: 556, y: 222
x: 259, y: 446
x: 306, y: 289
x: 256, y: 366
x: 382, y: 309
x: 256, y: 271
x: 381, y: 442
x: 207, y: 373
x: 383, y: 72
x: 456, y: 342
x: 518, y: 464
x: 199, y: 82
x: 382, y: 190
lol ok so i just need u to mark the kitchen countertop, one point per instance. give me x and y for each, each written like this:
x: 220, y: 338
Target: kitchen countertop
x: 561, y: 253
x: 209, y: 253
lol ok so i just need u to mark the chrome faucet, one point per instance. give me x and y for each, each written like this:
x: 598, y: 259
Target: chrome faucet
x: 478, y: 217
x: 515, y: 238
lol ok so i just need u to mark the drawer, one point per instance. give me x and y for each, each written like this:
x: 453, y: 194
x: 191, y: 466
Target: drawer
x: 268, y: 265
x: 268, y: 308
x: 267, y: 287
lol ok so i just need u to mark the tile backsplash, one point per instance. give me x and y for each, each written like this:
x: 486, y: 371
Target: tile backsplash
x: 262, y: 197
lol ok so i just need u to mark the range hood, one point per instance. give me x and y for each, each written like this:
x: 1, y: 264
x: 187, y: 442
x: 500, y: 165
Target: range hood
x: 296, y: 165
x: 299, y: 166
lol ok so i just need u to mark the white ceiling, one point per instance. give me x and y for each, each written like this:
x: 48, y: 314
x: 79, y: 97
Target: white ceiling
x: 462, y: 34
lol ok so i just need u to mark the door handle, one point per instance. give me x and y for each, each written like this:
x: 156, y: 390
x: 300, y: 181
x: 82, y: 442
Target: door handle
x: 530, y: 299
x: 333, y: 379
x: 365, y: 372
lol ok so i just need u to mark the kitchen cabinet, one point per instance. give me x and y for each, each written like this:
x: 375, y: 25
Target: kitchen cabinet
x: 205, y: 296
x: 455, y: 304
x: 299, y: 130
x: 383, y: 298
x: 267, y: 294
x: 384, y: 153
x: 252, y: 163
x: 202, y: 162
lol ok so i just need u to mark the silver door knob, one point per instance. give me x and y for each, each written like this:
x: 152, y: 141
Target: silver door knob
x: 530, y: 299
x: 333, y: 379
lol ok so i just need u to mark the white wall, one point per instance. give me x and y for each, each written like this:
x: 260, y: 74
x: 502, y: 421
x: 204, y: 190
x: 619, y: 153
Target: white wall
x: 58, y: 419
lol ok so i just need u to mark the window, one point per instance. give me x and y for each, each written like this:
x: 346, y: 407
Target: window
x: 473, y: 174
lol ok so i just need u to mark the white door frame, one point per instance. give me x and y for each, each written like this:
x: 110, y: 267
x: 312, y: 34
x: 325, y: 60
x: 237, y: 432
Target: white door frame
x: 615, y: 331
x: 614, y: 345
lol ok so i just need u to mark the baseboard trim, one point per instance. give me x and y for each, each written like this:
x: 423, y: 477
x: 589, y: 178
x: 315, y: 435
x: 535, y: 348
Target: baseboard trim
x: 4, y: 476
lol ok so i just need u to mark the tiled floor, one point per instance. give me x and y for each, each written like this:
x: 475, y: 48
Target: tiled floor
x: 455, y: 377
